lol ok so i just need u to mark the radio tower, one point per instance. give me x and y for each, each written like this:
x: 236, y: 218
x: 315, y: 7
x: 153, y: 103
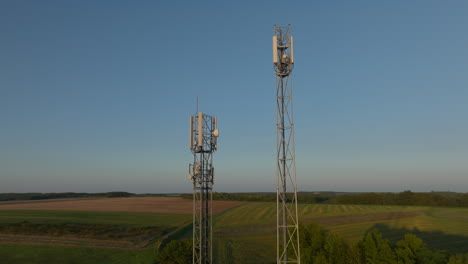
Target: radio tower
x: 287, y: 230
x: 203, y: 143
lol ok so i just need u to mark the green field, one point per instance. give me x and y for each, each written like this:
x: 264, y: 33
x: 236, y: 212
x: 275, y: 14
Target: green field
x: 28, y: 254
x: 86, y: 255
x: 252, y: 226
x: 245, y: 234
x: 116, y: 218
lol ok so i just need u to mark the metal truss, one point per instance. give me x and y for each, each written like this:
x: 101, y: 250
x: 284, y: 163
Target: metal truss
x: 287, y: 218
x: 203, y: 143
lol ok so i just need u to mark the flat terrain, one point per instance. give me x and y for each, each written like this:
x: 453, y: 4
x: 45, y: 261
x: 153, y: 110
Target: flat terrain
x: 123, y: 230
x: 39, y: 254
x: 65, y: 241
x: 244, y: 234
x: 164, y: 205
x: 107, y: 223
x: 251, y: 227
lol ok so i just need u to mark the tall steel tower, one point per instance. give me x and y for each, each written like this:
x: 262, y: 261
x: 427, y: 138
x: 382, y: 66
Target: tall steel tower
x: 287, y: 231
x: 203, y: 143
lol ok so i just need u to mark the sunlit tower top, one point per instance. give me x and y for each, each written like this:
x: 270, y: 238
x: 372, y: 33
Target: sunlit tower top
x: 283, y: 51
x: 203, y: 133
x: 287, y: 231
x: 203, y: 143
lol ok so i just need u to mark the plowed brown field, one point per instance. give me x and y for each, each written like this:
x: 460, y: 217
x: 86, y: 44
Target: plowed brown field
x: 166, y: 205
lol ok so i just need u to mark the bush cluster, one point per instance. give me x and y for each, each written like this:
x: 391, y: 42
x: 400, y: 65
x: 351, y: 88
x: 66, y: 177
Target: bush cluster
x: 321, y: 247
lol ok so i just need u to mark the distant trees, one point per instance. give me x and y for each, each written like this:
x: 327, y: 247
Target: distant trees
x: 302, y: 197
x: 45, y: 196
x: 464, y: 200
x: 251, y: 197
x: 406, y: 198
x: 403, y: 198
x: 118, y: 194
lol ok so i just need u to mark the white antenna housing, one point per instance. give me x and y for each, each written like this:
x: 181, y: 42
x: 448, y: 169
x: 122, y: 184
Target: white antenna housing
x: 191, y: 133
x: 291, y: 48
x: 275, y: 49
x: 200, y: 129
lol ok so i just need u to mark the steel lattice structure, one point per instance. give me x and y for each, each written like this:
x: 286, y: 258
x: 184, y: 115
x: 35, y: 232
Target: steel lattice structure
x: 203, y: 143
x: 287, y: 219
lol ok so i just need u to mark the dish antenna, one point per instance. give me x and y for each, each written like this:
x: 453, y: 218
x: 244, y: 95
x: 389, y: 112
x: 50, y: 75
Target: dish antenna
x: 203, y: 143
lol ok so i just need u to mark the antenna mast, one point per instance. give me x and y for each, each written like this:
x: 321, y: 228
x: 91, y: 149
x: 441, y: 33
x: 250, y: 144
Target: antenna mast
x: 203, y: 143
x: 287, y: 230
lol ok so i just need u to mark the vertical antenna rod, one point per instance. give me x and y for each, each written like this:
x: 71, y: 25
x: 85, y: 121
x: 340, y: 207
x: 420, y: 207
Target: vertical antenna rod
x: 203, y: 143
x: 287, y: 230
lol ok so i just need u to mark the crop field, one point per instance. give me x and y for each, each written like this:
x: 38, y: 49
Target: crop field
x: 98, y: 231
x: 84, y: 217
x: 253, y: 225
x: 84, y: 248
x: 116, y: 230
x: 29, y: 254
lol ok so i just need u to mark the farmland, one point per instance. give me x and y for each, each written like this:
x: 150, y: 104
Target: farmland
x: 171, y: 205
x: 117, y: 230
x: 20, y: 254
x: 243, y: 232
x: 251, y: 227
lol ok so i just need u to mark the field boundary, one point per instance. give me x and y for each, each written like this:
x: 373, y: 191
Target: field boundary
x: 173, y: 235
x: 14, y: 239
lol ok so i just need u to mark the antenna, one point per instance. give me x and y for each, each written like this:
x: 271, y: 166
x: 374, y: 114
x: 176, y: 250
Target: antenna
x: 203, y: 143
x: 287, y: 228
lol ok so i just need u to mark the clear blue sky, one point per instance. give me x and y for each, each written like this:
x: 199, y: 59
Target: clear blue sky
x: 96, y: 97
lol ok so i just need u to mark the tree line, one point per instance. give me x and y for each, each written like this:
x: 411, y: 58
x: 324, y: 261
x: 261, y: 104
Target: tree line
x: 406, y: 198
x: 403, y: 198
x: 45, y: 196
x: 302, y: 197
